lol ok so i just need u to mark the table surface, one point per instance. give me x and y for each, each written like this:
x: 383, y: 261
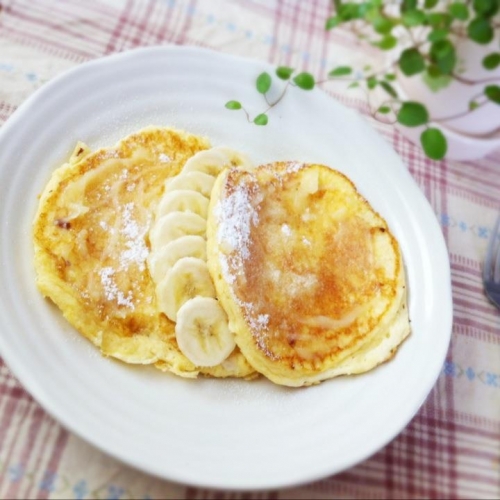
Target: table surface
x: 451, y: 448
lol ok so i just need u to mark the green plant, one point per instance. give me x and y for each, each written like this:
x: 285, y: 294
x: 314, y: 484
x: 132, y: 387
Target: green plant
x: 423, y: 34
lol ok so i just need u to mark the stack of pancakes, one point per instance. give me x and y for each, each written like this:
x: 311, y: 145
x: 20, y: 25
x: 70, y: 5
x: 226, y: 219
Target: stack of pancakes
x: 308, y: 277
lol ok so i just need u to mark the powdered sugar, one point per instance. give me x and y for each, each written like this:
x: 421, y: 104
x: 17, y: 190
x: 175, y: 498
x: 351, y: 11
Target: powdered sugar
x: 286, y: 230
x: 260, y: 331
x: 263, y: 320
x: 259, y: 326
x: 127, y: 246
x: 111, y: 290
x: 236, y: 215
x: 301, y: 283
x: 227, y: 263
x: 259, y: 323
x: 137, y: 251
x: 294, y: 166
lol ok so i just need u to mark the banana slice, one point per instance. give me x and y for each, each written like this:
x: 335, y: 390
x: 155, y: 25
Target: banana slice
x: 174, y: 225
x: 210, y: 161
x: 194, y: 181
x: 183, y: 200
x: 235, y: 158
x: 213, y: 161
x: 162, y: 260
x: 188, y: 278
x: 202, y: 332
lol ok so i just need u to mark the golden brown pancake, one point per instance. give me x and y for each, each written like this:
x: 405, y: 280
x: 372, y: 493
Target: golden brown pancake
x: 309, y: 274
x: 91, y: 246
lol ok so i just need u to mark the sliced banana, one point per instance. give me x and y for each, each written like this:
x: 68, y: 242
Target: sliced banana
x: 174, y: 225
x: 213, y: 161
x: 210, y: 161
x: 236, y: 159
x: 202, y: 332
x: 183, y: 200
x: 189, y: 277
x: 195, y: 181
x: 161, y: 260
x: 185, y: 292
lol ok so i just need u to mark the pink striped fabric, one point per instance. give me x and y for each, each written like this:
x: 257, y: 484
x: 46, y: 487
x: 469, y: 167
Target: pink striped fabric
x: 451, y: 449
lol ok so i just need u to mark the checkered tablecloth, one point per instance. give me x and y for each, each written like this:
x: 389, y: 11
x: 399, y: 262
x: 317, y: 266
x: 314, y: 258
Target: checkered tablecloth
x: 451, y: 449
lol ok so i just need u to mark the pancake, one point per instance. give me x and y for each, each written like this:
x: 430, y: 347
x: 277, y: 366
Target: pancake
x: 91, y: 247
x: 310, y: 276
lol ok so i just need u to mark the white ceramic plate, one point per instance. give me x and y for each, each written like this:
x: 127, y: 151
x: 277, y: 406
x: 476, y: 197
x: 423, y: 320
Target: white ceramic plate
x: 213, y: 433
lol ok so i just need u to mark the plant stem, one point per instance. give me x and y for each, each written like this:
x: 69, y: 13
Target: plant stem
x: 353, y: 79
x: 467, y: 81
x: 272, y: 104
x: 247, y: 114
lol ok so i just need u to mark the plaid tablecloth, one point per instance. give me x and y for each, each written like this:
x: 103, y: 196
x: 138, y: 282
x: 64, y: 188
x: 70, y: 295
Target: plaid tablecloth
x: 451, y: 449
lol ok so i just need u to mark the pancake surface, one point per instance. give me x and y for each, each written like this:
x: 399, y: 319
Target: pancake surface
x: 309, y: 274
x: 91, y: 248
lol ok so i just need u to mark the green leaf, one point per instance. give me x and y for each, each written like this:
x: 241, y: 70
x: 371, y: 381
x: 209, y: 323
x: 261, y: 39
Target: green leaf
x: 233, y: 105
x: 384, y: 110
x: 389, y: 89
x: 263, y: 82
x: 340, y: 71
x: 473, y: 105
x: 413, y: 18
x: 441, y: 49
x: 430, y: 4
x: 390, y: 77
x: 443, y: 54
x: 485, y: 7
x: 433, y: 71
x: 387, y: 43
x: 284, y: 72
x: 492, y: 92
x: 305, y: 81
x: 438, y: 34
x: 373, y: 13
x: 371, y: 82
x: 351, y: 11
x: 435, y: 80
x: 480, y: 30
x: 382, y: 25
x: 459, y: 11
x: 347, y: 12
x: 492, y: 61
x: 434, y: 143
x: 411, y: 62
x: 407, y: 5
x: 363, y: 9
x: 261, y: 119
x: 439, y: 19
x: 413, y: 114
x: 353, y: 85
x: 331, y: 22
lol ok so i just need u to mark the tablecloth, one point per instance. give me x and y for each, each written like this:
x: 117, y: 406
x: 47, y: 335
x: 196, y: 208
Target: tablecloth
x: 451, y: 448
